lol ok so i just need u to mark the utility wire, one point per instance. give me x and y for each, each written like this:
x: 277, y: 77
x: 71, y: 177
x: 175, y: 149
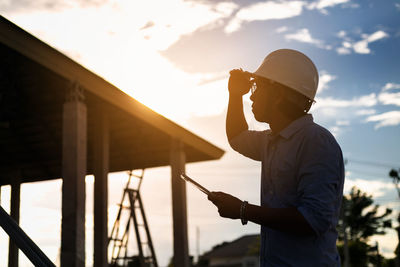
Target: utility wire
x: 369, y: 174
x: 371, y: 163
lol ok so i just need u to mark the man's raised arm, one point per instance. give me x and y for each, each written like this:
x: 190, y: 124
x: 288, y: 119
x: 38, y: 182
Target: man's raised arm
x: 239, y: 85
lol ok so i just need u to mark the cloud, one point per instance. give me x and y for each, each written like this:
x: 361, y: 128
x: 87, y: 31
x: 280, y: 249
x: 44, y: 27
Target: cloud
x: 361, y: 46
x: 389, y: 98
x: 234, y: 25
x: 390, y: 86
x: 339, y: 127
x: 343, y: 123
x: 271, y: 10
x: 341, y: 34
x: 397, y: 5
x: 123, y: 52
x: 391, y: 118
x: 304, y: 36
x: 344, y: 49
x: 282, y: 9
x: 225, y: 8
x: 265, y: 11
x: 364, y: 112
x: 335, y: 130
x: 324, y: 79
x: 213, y: 77
x: 374, y: 188
x: 361, y: 101
x: 282, y: 29
x: 167, y: 27
x: 149, y: 24
x: 321, y: 5
x: 49, y: 5
x: 133, y: 19
x: 331, y: 110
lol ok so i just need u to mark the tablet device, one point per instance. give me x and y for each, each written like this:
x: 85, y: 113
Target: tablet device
x: 200, y: 187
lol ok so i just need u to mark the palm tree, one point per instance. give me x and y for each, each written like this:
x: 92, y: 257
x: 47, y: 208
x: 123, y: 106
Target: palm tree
x: 394, y: 174
x: 360, y: 220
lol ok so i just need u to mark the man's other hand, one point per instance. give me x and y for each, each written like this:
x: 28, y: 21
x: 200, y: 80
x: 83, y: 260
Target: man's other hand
x: 228, y: 205
x: 239, y: 82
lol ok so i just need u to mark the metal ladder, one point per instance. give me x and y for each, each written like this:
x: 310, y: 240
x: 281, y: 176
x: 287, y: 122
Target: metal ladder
x: 135, y: 210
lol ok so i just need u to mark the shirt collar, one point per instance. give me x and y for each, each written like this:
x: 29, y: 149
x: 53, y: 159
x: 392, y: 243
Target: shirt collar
x: 296, y: 125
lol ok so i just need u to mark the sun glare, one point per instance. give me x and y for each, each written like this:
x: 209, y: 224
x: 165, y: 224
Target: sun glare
x: 123, y: 46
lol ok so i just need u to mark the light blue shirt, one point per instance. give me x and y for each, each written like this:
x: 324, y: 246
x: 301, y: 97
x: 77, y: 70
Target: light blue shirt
x: 302, y: 167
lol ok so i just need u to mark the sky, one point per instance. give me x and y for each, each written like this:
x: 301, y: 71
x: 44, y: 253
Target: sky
x: 174, y: 56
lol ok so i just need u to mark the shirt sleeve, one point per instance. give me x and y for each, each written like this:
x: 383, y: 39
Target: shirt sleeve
x: 320, y: 188
x: 250, y: 143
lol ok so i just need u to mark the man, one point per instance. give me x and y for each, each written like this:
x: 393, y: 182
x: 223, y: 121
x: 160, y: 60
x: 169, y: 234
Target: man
x: 302, y: 165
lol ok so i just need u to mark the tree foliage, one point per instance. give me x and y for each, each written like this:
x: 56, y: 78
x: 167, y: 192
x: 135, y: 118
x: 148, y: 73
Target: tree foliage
x: 394, y: 174
x: 358, y: 251
x: 361, y: 217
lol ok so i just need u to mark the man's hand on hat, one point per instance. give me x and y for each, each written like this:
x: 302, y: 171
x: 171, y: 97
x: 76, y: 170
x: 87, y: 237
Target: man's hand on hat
x: 228, y: 205
x: 239, y: 82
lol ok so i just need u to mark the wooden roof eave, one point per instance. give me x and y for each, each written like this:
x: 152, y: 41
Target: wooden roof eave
x: 45, y: 55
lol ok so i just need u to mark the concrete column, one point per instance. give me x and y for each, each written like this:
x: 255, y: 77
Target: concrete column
x: 100, y: 171
x: 15, y: 207
x: 73, y: 174
x: 179, y: 210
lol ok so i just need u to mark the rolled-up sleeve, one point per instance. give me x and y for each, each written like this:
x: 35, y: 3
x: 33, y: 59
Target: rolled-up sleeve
x: 250, y: 143
x: 320, y: 187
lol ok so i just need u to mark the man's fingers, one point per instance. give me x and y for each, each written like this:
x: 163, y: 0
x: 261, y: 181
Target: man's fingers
x: 213, y: 196
x: 221, y: 213
x: 234, y: 71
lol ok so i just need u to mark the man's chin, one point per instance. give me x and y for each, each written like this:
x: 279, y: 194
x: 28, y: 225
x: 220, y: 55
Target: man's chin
x: 259, y: 118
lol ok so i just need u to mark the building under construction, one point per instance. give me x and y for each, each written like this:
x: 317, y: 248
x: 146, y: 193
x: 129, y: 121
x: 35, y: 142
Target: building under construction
x: 58, y: 120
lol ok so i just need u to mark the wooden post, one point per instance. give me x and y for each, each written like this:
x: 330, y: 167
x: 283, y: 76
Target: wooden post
x: 179, y: 210
x: 73, y: 174
x: 15, y: 207
x: 100, y: 171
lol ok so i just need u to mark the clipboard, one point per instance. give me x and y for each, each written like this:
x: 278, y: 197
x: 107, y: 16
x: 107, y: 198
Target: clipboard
x: 199, y: 186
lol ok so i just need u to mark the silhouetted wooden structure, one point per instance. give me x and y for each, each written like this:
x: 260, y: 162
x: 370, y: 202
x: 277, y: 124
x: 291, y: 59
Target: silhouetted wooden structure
x: 58, y: 119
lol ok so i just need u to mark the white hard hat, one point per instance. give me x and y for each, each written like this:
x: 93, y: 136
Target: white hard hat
x: 291, y: 68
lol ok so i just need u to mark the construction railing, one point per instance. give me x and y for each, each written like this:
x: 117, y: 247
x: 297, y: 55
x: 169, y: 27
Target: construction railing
x: 22, y: 240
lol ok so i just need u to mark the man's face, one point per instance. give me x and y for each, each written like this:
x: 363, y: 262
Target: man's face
x: 264, y: 101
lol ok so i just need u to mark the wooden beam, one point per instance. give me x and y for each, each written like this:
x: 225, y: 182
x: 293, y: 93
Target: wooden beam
x: 100, y: 171
x: 179, y: 210
x: 15, y: 212
x: 73, y: 174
